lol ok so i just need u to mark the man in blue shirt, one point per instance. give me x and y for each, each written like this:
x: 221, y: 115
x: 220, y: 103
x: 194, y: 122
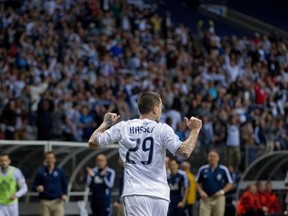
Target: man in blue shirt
x: 100, y: 181
x: 213, y: 181
x: 179, y: 188
x: 51, y: 184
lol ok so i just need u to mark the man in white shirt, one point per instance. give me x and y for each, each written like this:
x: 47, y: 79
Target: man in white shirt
x: 12, y: 186
x: 142, y: 147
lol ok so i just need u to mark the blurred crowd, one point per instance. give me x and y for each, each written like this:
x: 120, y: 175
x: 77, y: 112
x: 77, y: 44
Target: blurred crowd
x: 64, y: 63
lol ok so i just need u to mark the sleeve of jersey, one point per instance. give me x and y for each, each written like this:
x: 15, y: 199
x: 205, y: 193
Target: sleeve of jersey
x: 64, y: 183
x: 36, y: 181
x: 186, y: 181
x: 109, y: 136
x: 88, y: 180
x: 170, y: 139
x: 198, y: 178
x: 21, y: 183
x: 228, y: 176
x: 109, y: 179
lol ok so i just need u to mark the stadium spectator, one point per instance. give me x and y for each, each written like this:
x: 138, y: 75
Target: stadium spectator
x: 10, y: 118
x: 58, y: 121
x: 261, y: 194
x: 51, y: 183
x: 191, y: 199
x: 206, y: 137
x: 213, y: 181
x: 12, y: 186
x: 181, y: 130
x: 44, y: 120
x: 249, y: 204
x: 61, y: 50
x: 87, y: 123
x: 233, y: 141
x: 174, y: 113
x: 179, y: 189
x: 273, y: 202
x: 100, y: 181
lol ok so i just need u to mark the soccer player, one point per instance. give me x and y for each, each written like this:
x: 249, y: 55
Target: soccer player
x: 12, y: 186
x: 100, y: 181
x: 142, y: 147
x: 179, y: 188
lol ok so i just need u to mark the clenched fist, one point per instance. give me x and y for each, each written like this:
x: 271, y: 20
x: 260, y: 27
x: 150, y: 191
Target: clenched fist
x: 193, y: 123
x: 40, y: 188
x: 111, y: 118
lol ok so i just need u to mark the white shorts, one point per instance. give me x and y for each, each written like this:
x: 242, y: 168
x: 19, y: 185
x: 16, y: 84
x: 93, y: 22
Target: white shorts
x: 135, y: 205
x: 9, y: 210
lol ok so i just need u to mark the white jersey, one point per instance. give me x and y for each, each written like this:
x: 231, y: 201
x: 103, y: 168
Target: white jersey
x: 142, y: 147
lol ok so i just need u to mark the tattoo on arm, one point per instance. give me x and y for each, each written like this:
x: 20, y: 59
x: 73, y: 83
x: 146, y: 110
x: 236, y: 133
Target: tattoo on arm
x: 93, y: 143
x: 188, y: 145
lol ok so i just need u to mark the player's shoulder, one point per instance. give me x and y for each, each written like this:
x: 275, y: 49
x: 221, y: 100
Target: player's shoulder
x: 164, y: 127
x: 129, y: 122
x: 120, y: 123
x: 16, y: 169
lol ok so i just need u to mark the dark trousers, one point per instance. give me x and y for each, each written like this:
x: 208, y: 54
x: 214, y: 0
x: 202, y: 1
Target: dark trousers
x: 101, y: 207
x: 175, y: 211
x: 189, y: 209
x: 254, y: 213
x: 9, y: 135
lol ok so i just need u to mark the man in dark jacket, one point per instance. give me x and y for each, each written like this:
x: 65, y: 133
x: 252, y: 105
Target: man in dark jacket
x: 51, y: 184
x: 100, y: 181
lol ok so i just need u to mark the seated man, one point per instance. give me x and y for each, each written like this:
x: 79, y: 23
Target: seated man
x: 249, y: 203
x: 273, y: 203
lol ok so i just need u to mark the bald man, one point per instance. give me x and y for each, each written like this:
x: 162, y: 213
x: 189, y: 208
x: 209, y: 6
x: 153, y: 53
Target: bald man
x: 100, y: 181
x: 191, y: 199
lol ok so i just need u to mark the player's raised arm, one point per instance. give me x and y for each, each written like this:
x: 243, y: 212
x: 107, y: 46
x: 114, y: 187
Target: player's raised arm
x: 109, y: 120
x: 186, y: 148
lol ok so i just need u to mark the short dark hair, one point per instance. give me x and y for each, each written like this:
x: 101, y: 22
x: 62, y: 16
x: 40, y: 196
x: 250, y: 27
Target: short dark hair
x: 214, y: 150
x: 147, y: 101
x: 2, y: 154
x: 49, y: 152
x: 173, y: 160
